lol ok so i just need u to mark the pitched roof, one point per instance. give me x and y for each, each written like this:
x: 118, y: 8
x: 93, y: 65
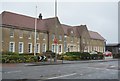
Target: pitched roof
x: 65, y: 28
x: 95, y: 35
x: 18, y: 20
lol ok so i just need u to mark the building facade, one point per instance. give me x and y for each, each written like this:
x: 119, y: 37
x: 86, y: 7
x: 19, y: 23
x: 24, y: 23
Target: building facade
x: 18, y: 35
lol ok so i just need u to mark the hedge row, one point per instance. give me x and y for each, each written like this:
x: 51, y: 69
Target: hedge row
x: 81, y: 56
x: 10, y: 57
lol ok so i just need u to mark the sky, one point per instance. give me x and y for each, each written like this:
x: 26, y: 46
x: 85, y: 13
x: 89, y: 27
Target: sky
x: 101, y: 16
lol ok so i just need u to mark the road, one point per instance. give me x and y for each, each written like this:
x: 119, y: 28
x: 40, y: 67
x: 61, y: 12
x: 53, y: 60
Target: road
x: 90, y: 70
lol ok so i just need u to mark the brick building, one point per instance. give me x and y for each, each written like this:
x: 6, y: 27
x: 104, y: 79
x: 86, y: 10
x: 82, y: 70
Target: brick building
x: 18, y: 35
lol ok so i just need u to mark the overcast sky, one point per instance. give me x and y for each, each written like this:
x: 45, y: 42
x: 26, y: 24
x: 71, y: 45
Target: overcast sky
x: 101, y: 17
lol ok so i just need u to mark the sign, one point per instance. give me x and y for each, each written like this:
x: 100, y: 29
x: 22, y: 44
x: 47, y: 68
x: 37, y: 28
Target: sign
x: 41, y: 58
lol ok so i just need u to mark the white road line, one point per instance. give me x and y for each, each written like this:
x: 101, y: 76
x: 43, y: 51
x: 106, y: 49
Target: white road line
x: 14, y: 71
x: 103, y: 69
x: 63, y: 76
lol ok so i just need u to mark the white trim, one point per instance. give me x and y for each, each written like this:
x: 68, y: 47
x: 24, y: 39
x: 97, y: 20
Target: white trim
x: 13, y: 47
x: 53, y: 48
x: 61, y: 48
x: 38, y: 51
x: 44, y: 48
x: 30, y: 48
x: 22, y: 47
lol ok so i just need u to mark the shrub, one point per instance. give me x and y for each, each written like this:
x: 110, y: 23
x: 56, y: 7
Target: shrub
x: 19, y: 58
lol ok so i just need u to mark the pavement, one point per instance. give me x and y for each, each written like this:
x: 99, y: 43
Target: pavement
x: 55, y: 63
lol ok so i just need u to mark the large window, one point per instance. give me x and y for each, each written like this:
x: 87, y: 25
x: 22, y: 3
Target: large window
x: 44, y: 48
x: 60, y: 48
x: 12, y: 47
x: 30, y: 47
x: 20, y: 47
x: 38, y: 48
x: 53, y: 48
x: 11, y: 32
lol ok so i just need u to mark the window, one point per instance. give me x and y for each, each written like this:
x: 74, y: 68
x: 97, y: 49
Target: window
x: 12, y: 47
x: 20, y: 34
x: 20, y: 47
x: 11, y: 32
x: 30, y: 47
x: 53, y: 48
x: 60, y: 48
x: 44, y: 48
x: 60, y: 37
x: 37, y: 48
x: 37, y: 36
x: 53, y: 36
x: 29, y: 35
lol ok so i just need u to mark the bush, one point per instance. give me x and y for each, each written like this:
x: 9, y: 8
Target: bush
x: 18, y: 58
x: 85, y: 56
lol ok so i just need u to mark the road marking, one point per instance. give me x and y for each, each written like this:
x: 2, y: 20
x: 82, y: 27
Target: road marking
x: 13, y: 71
x: 62, y: 76
x: 112, y: 66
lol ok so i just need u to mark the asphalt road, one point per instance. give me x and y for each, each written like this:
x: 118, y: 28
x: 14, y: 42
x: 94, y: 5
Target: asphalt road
x: 91, y: 70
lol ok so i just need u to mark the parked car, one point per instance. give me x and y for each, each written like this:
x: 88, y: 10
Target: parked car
x: 107, y: 54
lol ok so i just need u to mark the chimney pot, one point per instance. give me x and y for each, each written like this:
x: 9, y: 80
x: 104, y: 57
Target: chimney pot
x: 40, y: 16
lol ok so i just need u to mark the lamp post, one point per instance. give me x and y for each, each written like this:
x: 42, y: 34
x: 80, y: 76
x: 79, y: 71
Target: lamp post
x: 35, y: 33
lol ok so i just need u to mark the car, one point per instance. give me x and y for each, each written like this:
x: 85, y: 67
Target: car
x: 107, y: 54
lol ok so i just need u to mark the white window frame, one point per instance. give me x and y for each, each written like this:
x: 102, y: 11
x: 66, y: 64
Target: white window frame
x: 13, y: 47
x: 30, y: 48
x: 60, y: 51
x: 21, y: 48
x: 44, y: 48
x: 53, y: 49
x: 38, y: 48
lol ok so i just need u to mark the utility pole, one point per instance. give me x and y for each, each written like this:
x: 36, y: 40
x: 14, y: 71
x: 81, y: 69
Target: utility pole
x: 56, y: 30
x: 35, y: 32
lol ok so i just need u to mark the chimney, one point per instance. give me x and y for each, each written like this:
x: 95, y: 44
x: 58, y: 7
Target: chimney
x: 40, y: 16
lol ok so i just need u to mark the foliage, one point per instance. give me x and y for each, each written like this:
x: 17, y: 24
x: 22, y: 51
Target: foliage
x: 10, y: 57
x: 82, y: 56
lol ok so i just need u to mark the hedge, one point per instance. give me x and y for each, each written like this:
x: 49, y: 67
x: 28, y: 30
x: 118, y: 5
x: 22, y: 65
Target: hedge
x: 10, y: 57
x: 82, y: 56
